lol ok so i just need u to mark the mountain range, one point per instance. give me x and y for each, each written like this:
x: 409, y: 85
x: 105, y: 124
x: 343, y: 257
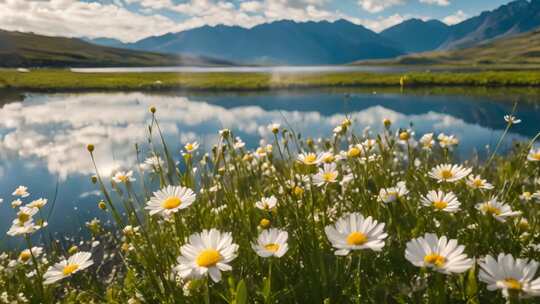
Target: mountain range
x: 282, y: 42
x: 339, y: 42
x: 517, y: 50
x: 30, y: 50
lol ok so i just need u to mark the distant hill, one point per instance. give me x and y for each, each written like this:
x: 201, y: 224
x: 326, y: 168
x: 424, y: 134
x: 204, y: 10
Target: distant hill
x: 415, y: 35
x: 520, y: 50
x: 286, y: 42
x: 516, y: 17
x: 111, y: 42
x: 31, y: 50
x: 513, y: 18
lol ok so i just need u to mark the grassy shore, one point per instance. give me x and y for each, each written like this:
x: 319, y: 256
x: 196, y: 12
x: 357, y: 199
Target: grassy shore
x: 64, y: 80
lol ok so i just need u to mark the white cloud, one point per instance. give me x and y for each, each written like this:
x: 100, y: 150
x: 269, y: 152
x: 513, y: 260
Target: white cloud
x: 52, y: 131
x: 376, y: 6
x: 381, y: 23
x: 436, y: 2
x: 455, y: 18
x: 74, y: 18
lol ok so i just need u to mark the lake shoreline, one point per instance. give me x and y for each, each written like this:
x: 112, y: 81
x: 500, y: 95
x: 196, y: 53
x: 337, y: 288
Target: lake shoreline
x: 51, y: 80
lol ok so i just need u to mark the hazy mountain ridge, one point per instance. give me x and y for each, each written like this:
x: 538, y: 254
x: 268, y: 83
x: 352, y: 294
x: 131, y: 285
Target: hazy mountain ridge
x: 519, y: 50
x: 31, y: 50
x: 277, y: 42
x: 416, y: 35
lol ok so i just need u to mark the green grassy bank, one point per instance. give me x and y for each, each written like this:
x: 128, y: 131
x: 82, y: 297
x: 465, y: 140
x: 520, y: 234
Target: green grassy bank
x: 63, y: 80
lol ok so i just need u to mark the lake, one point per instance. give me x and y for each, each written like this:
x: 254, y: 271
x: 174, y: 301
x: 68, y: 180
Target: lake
x: 269, y: 69
x: 43, y: 136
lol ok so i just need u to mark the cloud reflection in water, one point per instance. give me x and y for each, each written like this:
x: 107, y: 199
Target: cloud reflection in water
x: 44, y: 136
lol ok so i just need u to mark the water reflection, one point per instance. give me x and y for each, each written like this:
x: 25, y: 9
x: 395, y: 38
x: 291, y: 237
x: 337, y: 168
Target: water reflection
x: 42, y: 138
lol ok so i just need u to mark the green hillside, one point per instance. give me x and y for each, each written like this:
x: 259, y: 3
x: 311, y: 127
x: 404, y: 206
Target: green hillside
x: 30, y: 50
x: 520, y: 51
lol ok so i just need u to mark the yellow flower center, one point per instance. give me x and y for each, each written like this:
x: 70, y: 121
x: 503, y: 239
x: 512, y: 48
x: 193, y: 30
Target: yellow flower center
x: 354, y: 152
x: 492, y: 210
x: 536, y: 156
x: 171, y: 202
x: 478, y: 183
x: 69, y: 269
x: 356, y: 238
x: 298, y: 191
x: 447, y: 174
x: 208, y: 258
x: 404, y: 136
x: 435, y: 259
x: 265, y: 223
x: 440, y: 205
x: 189, y: 147
x: 329, y: 176
x: 272, y: 247
x: 123, y: 178
x: 25, y: 256
x: 329, y: 159
x: 512, y: 284
x: 310, y: 159
x: 23, y: 217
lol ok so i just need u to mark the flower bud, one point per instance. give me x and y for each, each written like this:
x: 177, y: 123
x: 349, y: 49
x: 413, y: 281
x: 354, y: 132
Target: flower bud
x: 265, y: 223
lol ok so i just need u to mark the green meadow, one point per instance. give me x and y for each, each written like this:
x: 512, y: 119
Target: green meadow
x: 64, y: 80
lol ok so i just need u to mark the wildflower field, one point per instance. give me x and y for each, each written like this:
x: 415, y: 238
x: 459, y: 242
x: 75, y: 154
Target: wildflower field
x: 355, y: 218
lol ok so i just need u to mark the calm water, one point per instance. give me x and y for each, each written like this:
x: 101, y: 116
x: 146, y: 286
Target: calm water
x: 259, y: 69
x: 43, y: 136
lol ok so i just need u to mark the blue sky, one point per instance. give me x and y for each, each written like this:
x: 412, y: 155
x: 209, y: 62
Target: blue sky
x: 131, y: 20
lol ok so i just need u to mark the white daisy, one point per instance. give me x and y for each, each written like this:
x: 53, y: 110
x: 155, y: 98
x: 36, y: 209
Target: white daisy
x: 392, y: 194
x: 439, y: 254
x: 25, y: 214
x: 406, y: 138
x: 191, y: 147
x: 271, y: 243
x: 75, y: 263
x: 274, y: 127
x: 449, y: 173
x: 26, y: 255
x: 208, y: 252
x: 39, y: 203
x: 500, y: 211
x: 354, y: 151
x: 426, y: 141
x: 310, y: 159
x: 326, y: 175
x: 123, y: 177
x: 27, y: 227
x: 21, y: 191
x: 354, y: 232
x: 526, y: 196
x: 447, y: 141
x: 510, y: 275
x: 238, y: 143
x: 170, y: 200
x: 534, y: 155
x: 476, y: 182
x: 267, y: 203
x: 511, y: 119
x: 152, y: 162
x: 441, y: 201
x: 16, y: 203
x: 328, y: 157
